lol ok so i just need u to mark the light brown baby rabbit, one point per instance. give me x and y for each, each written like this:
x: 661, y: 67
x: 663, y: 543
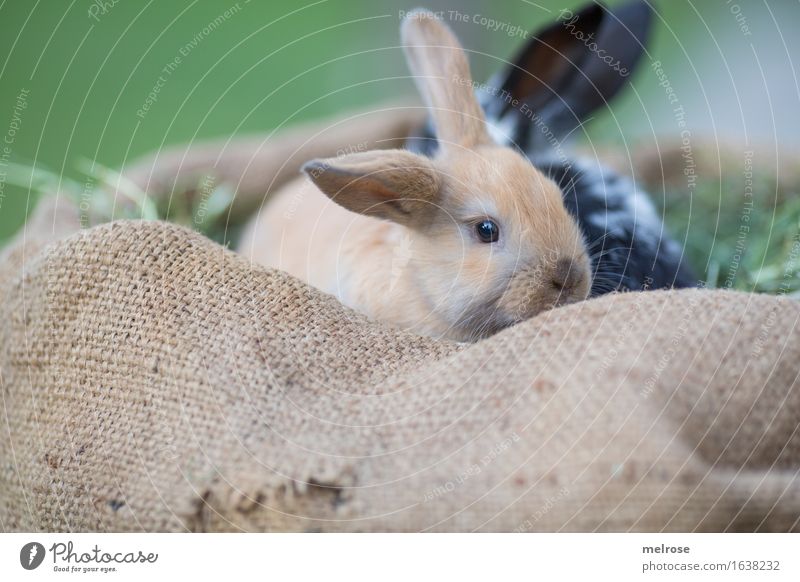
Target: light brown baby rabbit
x: 458, y: 246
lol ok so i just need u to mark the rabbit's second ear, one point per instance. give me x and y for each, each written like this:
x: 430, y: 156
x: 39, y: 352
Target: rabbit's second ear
x: 441, y: 73
x: 390, y: 184
x: 576, y: 65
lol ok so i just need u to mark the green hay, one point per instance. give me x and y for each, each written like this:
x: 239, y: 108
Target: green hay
x: 202, y: 210
x: 748, y: 244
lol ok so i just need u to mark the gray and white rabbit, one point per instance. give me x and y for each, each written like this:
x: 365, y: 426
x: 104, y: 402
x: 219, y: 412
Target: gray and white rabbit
x: 561, y: 76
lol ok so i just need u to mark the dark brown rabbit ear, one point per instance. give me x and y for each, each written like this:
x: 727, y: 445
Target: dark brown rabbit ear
x: 441, y: 72
x: 390, y: 184
x: 576, y: 65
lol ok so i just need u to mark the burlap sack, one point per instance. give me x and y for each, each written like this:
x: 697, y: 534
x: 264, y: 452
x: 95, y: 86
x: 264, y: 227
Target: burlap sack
x: 154, y: 381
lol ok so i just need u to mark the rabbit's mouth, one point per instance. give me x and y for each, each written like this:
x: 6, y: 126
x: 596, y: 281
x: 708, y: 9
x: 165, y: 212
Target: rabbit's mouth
x: 497, y: 314
x: 479, y: 322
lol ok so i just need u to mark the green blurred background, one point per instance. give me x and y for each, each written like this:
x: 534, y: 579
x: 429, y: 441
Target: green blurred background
x: 88, y: 67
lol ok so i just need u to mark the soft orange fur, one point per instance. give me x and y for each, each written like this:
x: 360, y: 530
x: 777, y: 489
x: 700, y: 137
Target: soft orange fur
x: 392, y: 233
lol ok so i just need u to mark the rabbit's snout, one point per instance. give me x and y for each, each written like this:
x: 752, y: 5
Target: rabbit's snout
x: 569, y: 279
x: 569, y: 282
x: 546, y: 285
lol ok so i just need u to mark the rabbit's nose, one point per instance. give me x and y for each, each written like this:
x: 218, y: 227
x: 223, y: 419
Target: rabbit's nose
x: 567, y: 276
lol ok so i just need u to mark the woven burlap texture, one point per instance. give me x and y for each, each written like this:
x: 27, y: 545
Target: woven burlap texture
x: 153, y: 380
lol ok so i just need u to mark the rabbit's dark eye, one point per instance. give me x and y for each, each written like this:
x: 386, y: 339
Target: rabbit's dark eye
x: 487, y: 231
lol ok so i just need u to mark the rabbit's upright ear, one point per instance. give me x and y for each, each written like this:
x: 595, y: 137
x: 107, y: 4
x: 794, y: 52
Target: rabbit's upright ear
x: 574, y: 66
x: 441, y: 72
x: 390, y: 184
